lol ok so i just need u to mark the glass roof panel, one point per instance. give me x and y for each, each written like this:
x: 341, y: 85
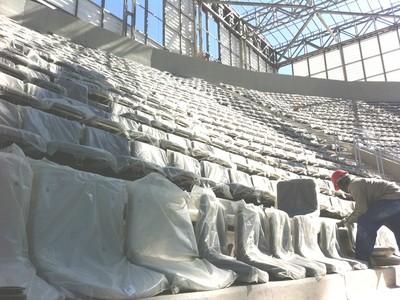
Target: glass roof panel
x: 287, y: 24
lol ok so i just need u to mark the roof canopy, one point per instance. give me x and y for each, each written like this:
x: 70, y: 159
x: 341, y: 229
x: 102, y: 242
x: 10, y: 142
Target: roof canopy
x: 296, y: 28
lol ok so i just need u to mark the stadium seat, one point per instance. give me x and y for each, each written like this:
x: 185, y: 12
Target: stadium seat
x: 305, y: 243
x: 63, y: 139
x: 11, y: 130
x: 78, y: 217
x: 247, y: 239
x: 157, y: 208
x: 210, y: 230
x: 279, y: 243
x: 16, y: 268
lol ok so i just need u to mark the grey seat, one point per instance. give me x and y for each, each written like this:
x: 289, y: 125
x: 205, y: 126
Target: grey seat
x: 77, y: 217
x: 247, y: 238
x: 279, y: 242
x: 156, y: 209
x: 16, y: 268
x: 11, y: 130
x: 305, y: 243
x: 62, y: 137
x: 211, y: 240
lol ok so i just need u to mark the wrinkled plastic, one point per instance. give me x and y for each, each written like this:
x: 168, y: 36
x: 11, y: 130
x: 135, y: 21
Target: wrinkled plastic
x: 211, y: 234
x: 76, y: 235
x: 149, y: 153
x: 247, y: 237
x: 175, y: 143
x: 74, y: 89
x: 160, y: 236
x: 15, y: 267
x: 184, y: 162
x: 330, y: 246
x: 305, y: 242
x: 215, y: 172
x: 278, y: 233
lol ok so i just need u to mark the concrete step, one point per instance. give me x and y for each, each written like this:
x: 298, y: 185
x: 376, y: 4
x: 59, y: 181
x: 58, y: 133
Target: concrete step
x: 372, y: 284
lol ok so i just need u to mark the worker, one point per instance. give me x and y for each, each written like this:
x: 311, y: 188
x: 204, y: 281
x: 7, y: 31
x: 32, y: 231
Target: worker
x: 377, y: 203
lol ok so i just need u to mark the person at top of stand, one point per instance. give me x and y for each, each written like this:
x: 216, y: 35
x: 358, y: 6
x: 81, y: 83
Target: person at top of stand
x: 377, y: 203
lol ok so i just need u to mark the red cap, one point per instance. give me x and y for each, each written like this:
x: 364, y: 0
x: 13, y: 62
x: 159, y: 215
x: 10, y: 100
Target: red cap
x: 335, y: 176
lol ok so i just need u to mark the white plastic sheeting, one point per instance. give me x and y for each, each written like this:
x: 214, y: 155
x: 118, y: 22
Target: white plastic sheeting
x: 160, y: 236
x: 330, y: 247
x: 76, y: 231
x: 305, y: 242
x: 247, y: 237
x: 279, y: 242
x: 211, y: 234
x: 15, y: 267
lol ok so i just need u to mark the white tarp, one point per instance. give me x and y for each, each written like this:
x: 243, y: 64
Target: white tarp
x: 211, y: 234
x: 76, y: 230
x: 160, y: 236
x: 248, y: 229
x: 15, y: 267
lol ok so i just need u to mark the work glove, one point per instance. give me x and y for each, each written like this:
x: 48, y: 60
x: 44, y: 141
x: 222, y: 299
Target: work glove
x: 340, y: 224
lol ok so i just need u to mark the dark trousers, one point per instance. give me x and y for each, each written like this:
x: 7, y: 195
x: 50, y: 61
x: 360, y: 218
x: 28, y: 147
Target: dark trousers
x: 383, y: 212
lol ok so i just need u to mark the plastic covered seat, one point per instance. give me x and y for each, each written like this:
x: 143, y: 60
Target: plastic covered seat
x: 62, y: 137
x: 16, y: 269
x: 183, y: 170
x: 59, y: 104
x: 241, y: 188
x: 330, y: 246
x: 279, y: 243
x: 305, y: 243
x: 148, y: 134
x: 78, y: 217
x: 158, y: 209
x: 12, y: 90
x: 175, y: 143
x: 11, y: 129
x: 247, y: 237
x: 211, y: 235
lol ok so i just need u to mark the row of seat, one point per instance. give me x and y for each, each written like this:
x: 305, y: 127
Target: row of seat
x: 75, y: 233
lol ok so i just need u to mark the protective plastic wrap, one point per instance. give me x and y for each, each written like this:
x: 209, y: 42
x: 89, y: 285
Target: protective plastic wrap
x: 211, y: 233
x: 51, y: 127
x: 10, y: 115
x: 279, y: 242
x: 247, y: 235
x: 184, y: 162
x: 305, y: 233
x: 11, y: 82
x: 76, y: 232
x: 149, y: 153
x: 330, y: 246
x: 15, y: 267
x: 215, y: 172
x: 160, y: 236
x: 297, y: 197
x: 175, y: 143
x: 75, y: 89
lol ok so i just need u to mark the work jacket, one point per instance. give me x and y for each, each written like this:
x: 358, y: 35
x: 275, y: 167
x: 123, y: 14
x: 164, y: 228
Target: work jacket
x: 366, y: 191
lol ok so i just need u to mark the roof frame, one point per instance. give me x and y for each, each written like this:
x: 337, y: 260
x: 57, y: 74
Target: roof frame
x: 288, y: 27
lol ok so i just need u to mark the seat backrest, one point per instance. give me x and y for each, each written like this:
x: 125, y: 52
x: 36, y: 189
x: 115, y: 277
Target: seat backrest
x: 149, y: 153
x: 184, y: 162
x: 115, y: 144
x: 236, y: 176
x: 49, y: 126
x: 297, y: 197
x: 214, y: 172
x: 10, y: 115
